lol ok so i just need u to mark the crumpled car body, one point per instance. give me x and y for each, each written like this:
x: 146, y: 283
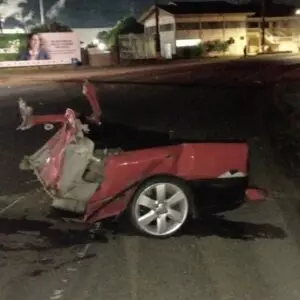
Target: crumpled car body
x: 103, y: 183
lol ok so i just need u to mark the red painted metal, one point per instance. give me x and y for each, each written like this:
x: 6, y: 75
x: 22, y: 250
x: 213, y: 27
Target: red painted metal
x: 186, y: 161
x: 37, y: 119
x: 50, y: 172
x: 89, y: 91
x: 123, y: 172
x: 255, y: 194
x: 29, y: 120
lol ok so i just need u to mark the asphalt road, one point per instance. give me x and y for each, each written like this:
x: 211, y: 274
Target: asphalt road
x: 249, y: 253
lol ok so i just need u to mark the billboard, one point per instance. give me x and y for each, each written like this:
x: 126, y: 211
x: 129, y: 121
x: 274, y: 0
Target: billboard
x: 51, y: 48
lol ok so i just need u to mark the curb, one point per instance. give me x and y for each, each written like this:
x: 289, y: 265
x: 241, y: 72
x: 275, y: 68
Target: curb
x: 16, y: 80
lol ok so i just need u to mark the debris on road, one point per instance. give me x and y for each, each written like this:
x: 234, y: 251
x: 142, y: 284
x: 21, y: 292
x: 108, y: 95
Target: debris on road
x: 57, y: 294
x: 71, y: 269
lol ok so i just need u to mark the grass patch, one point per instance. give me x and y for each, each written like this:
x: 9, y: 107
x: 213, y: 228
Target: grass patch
x: 16, y: 42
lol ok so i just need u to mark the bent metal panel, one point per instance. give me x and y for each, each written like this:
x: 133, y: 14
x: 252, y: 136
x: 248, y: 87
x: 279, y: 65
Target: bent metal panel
x: 53, y: 48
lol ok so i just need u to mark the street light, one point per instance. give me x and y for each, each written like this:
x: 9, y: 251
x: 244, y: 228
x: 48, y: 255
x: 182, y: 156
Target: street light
x: 2, y: 20
x: 101, y: 46
x: 297, y: 11
x: 42, y: 12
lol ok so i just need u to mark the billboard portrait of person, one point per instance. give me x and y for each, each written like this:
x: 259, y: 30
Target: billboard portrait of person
x: 34, y: 50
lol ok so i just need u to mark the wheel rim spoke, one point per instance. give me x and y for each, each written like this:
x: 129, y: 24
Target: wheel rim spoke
x: 147, y: 202
x: 161, y: 192
x: 161, y: 209
x: 146, y: 219
x: 162, y: 225
x: 175, y: 199
x: 175, y: 215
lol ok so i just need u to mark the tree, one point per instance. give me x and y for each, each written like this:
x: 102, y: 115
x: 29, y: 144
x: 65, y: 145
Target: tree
x: 124, y: 26
x: 104, y: 36
x: 113, y: 34
x: 52, y: 27
x: 217, y: 45
x: 26, y: 20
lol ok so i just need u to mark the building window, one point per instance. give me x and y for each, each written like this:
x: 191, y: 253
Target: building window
x: 212, y: 25
x: 166, y: 27
x: 188, y: 26
x: 286, y: 24
x: 234, y: 24
x: 253, y: 25
x: 150, y: 30
x: 266, y: 24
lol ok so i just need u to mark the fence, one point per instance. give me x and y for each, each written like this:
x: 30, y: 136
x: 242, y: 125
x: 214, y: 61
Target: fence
x: 136, y: 46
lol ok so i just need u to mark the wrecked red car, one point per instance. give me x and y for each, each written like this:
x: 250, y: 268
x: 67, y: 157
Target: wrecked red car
x: 153, y: 184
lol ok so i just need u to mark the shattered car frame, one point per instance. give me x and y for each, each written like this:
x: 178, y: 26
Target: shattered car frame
x: 153, y: 184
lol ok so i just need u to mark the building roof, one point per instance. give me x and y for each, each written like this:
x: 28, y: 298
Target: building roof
x: 223, y: 7
x: 273, y: 9
x: 203, y: 7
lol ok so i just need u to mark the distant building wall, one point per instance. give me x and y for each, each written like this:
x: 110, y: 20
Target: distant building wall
x: 167, y: 32
x: 281, y: 34
x: 136, y: 46
x: 180, y: 31
x: 208, y: 28
x: 98, y: 59
x: 189, y: 30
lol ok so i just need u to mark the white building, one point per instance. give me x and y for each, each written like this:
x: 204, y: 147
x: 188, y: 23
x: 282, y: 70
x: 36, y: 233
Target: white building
x: 183, y: 24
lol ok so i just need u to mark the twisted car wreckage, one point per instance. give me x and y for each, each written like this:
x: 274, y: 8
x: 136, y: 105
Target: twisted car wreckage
x: 152, y: 183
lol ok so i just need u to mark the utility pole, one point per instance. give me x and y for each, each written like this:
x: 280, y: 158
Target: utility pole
x: 157, y: 35
x: 263, y: 23
x: 2, y: 20
x: 42, y: 12
x: 132, y: 8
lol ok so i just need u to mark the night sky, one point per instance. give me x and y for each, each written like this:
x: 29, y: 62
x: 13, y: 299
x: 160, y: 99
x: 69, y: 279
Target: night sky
x: 97, y: 13
x: 86, y: 13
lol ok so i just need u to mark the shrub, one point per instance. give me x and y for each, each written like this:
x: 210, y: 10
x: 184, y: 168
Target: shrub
x: 217, y: 46
x: 202, y: 49
x: 190, y: 51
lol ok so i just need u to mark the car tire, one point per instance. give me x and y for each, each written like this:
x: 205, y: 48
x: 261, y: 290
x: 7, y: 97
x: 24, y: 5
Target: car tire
x: 160, y: 207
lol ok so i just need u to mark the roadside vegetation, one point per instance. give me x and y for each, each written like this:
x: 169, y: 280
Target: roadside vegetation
x: 209, y: 48
x: 51, y: 27
x: 124, y: 26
